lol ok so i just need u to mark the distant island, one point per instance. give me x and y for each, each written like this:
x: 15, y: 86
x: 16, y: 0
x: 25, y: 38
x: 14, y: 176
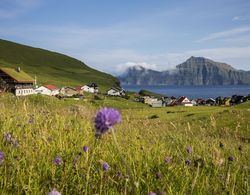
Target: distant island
x: 194, y: 71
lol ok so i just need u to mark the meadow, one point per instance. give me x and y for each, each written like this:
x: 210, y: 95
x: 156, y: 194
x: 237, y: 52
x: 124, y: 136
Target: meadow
x: 49, y: 144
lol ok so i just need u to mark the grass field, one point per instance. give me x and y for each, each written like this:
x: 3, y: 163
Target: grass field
x: 153, y: 153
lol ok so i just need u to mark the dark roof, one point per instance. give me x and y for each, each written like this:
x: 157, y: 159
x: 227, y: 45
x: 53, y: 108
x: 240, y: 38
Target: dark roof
x: 94, y: 85
x: 181, y: 99
x: 117, y: 88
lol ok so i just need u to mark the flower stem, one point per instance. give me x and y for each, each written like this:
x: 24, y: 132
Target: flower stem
x: 89, y: 166
x: 128, y: 169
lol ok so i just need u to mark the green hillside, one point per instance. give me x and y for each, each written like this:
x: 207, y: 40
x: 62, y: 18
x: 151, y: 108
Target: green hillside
x: 51, y: 67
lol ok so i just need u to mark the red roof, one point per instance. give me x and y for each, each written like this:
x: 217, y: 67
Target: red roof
x: 79, y: 88
x: 51, y: 87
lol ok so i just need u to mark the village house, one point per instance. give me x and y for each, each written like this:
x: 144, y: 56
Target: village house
x: 157, y: 104
x: 219, y: 100
x: 210, y: 102
x: 91, y: 88
x: 194, y: 102
x: 16, y: 81
x: 50, y: 90
x: 149, y: 100
x: 68, y: 91
x: 200, y: 102
x: 226, y: 101
x: 169, y: 100
x: 184, y: 101
x: 116, y: 91
x: 79, y: 90
x: 237, y: 99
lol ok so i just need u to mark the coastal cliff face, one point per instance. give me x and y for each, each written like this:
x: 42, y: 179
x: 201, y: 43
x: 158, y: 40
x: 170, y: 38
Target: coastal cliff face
x: 194, y: 71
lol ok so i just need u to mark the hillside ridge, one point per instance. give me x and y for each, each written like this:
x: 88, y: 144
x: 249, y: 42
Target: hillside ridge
x: 194, y: 71
x: 51, y: 67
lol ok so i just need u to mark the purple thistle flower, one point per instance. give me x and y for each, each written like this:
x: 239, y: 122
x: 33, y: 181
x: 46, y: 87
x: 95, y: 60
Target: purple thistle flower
x: 7, y: 137
x: 188, y: 162
x: 231, y: 158
x: 158, y: 175
x: 1, y: 156
x: 105, y: 119
x: 54, y: 192
x: 31, y: 120
x: 189, y: 149
x: 168, y: 159
x: 57, y: 161
x: 85, y: 148
x: 105, y: 166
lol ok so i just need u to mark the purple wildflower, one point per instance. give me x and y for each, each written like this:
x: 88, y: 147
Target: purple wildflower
x: 105, y: 166
x: 231, y: 158
x: 152, y: 193
x: 54, y: 192
x: 188, y: 162
x: 119, y: 174
x: 168, y: 159
x: 85, y: 148
x: 57, y: 161
x: 8, y: 137
x: 105, y: 119
x: 158, y: 175
x: 31, y: 120
x: 76, y: 159
x: 189, y: 149
x: 1, y: 156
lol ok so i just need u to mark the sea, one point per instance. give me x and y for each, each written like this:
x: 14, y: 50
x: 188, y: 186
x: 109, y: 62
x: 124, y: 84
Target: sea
x: 193, y: 92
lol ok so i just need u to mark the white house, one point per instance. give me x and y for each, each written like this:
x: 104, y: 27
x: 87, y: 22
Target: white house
x: 91, y: 88
x: 24, y: 92
x: 149, y: 100
x: 194, y: 102
x: 115, y: 91
x: 50, y: 90
x: 184, y: 101
x: 157, y: 104
x: 16, y: 81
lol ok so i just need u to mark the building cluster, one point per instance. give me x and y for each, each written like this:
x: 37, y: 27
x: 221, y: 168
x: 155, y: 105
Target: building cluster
x: 21, y: 84
x: 184, y: 101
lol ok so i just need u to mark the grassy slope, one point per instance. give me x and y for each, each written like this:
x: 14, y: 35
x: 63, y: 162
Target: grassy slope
x: 63, y: 127
x: 51, y: 67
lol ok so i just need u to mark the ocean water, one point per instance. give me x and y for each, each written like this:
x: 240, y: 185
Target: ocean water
x: 193, y: 91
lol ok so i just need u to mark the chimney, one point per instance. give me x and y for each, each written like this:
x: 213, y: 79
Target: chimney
x: 18, y: 69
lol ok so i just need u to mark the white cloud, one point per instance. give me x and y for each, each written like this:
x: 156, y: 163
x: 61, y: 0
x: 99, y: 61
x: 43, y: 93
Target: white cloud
x: 226, y: 34
x: 122, y: 67
x: 238, y: 18
x: 116, y: 61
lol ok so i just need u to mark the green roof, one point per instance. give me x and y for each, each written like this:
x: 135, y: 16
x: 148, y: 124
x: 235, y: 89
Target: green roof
x: 19, y: 76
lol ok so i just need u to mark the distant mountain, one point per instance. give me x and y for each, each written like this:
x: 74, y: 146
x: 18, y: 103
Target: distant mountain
x: 194, y: 71
x: 51, y: 67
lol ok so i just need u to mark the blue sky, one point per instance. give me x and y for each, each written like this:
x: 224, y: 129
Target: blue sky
x: 111, y: 35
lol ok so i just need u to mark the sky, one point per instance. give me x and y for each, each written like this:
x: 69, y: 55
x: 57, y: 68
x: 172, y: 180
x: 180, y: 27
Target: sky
x: 112, y: 35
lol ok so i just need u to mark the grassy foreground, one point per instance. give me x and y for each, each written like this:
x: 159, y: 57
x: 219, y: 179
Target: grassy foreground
x: 153, y: 143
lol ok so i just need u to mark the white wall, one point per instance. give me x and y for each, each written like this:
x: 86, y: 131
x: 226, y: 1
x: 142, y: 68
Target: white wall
x: 24, y: 92
x: 114, y: 92
x: 45, y: 91
x: 89, y: 89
